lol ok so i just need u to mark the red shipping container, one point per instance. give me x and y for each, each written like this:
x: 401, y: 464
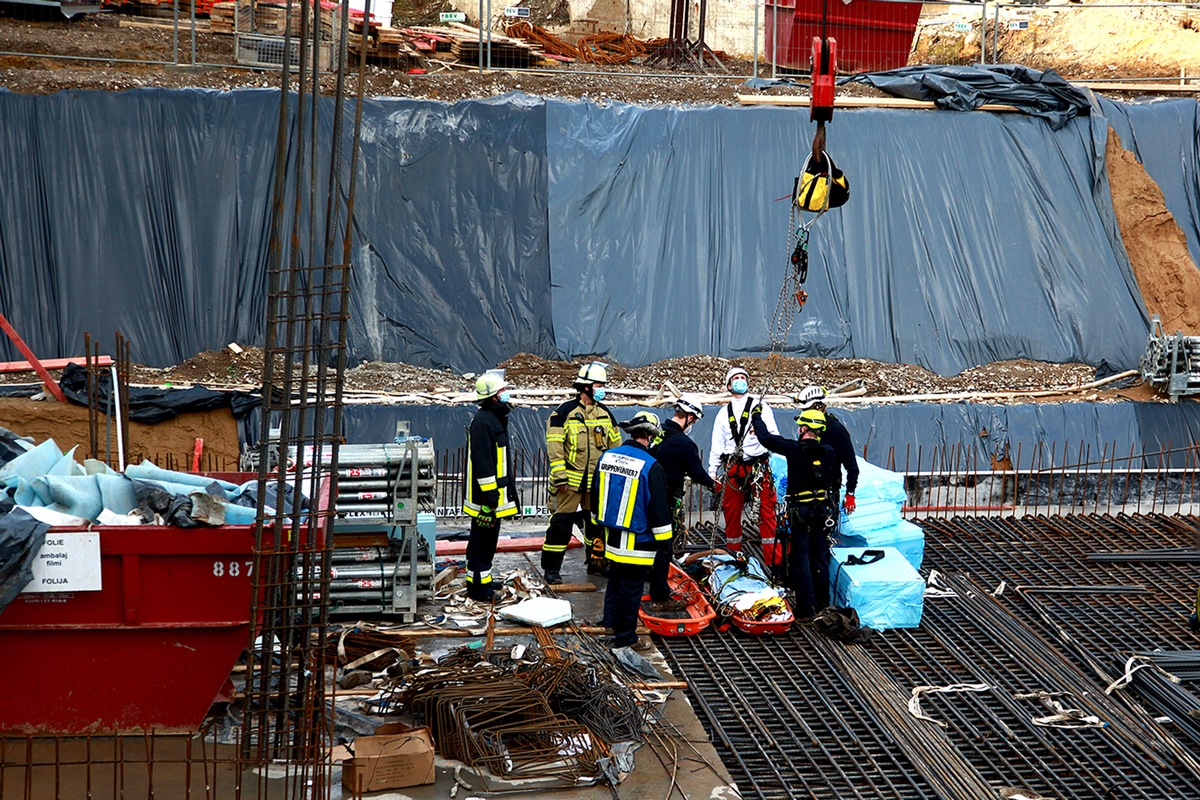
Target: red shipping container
x: 149, y: 651
x: 872, y: 35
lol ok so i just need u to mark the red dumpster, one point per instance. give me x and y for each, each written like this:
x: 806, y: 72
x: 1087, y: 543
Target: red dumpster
x: 148, y: 651
x: 872, y: 35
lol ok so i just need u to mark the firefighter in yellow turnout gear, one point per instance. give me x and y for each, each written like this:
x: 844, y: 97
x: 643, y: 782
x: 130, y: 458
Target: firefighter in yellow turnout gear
x: 577, y: 434
x: 490, y: 494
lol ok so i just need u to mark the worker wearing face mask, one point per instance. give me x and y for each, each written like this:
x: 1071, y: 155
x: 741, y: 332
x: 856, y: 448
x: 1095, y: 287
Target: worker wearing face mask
x: 680, y: 459
x: 739, y: 462
x: 490, y: 485
x: 577, y: 434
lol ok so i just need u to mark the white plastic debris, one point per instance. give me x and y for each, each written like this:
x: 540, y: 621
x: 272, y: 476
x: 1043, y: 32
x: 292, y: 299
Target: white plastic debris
x: 540, y: 611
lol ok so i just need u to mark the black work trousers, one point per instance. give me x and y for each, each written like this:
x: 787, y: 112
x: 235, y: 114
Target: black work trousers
x: 481, y: 549
x: 623, y: 599
x: 660, y: 590
x: 808, y: 555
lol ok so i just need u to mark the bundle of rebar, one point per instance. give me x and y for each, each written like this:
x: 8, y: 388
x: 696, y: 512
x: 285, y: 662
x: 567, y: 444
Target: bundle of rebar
x: 610, y: 48
x: 582, y: 693
x: 486, y: 718
x: 1183, y: 664
x: 547, y: 41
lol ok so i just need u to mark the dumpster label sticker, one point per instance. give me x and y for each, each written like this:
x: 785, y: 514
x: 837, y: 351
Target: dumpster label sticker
x: 67, y: 562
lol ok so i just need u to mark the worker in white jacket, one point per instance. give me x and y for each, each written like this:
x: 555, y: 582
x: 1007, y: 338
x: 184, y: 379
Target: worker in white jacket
x: 738, y: 461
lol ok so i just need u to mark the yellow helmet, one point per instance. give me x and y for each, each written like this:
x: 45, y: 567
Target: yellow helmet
x: 812, y: 419
x: 642, y: 421
x: 489, y: 384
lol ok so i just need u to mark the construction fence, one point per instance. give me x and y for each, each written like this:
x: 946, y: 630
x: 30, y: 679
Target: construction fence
x: 768, y: 39
x: 948, y: 481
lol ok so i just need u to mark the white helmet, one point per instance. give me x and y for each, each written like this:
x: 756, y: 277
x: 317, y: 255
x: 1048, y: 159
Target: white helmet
x: 690, y: 404
x: 811, y: 395
x: 489, y: 384
x: 736, y: 371
x: 595, y: 372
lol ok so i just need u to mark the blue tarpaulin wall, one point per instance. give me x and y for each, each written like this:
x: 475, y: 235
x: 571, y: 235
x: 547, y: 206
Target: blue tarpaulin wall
x: 486, y: 228
x: 1044, y: 434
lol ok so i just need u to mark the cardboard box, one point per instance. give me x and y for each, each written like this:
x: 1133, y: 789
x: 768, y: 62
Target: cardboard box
x: 395, y: 757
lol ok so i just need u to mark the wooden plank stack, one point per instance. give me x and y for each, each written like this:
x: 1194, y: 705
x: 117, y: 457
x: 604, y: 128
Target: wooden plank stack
x: 223, y: 15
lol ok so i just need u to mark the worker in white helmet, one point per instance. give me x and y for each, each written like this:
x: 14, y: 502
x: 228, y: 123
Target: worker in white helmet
x: 738, y: 461
x: 680, y: 459
x: 577, y: 434
x: 490, y: 493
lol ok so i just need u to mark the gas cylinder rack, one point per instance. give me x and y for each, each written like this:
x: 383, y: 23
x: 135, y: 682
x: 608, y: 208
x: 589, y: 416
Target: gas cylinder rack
x: 1171, y: 364
x: 387, y: 490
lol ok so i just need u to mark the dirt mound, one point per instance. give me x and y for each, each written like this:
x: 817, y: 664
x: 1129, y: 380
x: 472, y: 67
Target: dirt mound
x: 1078, y: 40
x: 706, y: 374
x: 1156, y: 245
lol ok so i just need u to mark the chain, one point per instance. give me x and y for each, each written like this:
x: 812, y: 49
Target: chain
x: 791, y: 295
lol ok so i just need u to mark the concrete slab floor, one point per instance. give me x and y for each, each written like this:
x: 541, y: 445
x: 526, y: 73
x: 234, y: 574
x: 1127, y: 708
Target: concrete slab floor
x: 693, y: 771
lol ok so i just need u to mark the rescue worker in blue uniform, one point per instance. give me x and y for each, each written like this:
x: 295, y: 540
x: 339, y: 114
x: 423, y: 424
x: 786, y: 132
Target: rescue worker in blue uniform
x: 811, y: 506
x: 680, y: 459
x: 629, y: 500
x: 490, y: 492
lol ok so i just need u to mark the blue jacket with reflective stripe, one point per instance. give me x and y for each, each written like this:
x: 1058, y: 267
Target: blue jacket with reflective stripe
x: 629, y: 497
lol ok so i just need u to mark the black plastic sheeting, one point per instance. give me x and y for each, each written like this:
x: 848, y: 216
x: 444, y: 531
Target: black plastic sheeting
x: 21, y: 536
x: 487, y: 228
x: 150, y: 405
x: 1051, y: 433
x: 1041, y: 94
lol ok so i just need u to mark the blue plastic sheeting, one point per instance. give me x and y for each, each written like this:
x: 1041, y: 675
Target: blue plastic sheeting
x: 968, y: 238
x: 1043, y: 433
x: 486, y: 228
x: 148, y: 211
x: 1165, y: 136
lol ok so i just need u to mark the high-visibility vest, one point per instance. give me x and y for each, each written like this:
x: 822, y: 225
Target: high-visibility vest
x: 623, y: 491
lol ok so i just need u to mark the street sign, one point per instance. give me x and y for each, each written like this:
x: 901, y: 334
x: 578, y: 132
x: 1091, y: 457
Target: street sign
x: 1018, y: 24
x: 516, y: 11
x: 962, y: 27
x: 452, y: 16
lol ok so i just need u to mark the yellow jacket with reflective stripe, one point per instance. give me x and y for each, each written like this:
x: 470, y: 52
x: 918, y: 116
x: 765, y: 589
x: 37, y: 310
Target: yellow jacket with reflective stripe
x: 576, y: 437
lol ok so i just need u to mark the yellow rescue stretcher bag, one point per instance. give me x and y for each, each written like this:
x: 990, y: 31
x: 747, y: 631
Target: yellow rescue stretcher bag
x: 821, y: 186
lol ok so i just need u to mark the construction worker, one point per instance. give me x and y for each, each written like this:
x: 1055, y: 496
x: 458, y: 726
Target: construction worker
x: 737, y: 450
x: 811, y: 507
x: 680, y: 459
x: 577, y: 434
x: 837, y: 437
x: 629, y: 499
x: 490, y: 494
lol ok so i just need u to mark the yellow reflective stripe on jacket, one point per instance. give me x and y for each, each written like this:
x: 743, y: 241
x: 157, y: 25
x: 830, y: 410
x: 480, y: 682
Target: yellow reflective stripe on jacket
x: 488, y: 483
x: 627, y: 552
x: 628, y: 501
x: 664, y: 532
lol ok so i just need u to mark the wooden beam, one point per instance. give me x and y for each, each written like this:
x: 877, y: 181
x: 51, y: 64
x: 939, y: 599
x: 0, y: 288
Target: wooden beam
x: 435, y: 633
x: 857, y: 102
x: 1143, y: 88
x: 51, y: 363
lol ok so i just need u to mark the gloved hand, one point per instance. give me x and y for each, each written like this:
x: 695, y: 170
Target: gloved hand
x: 757, y: 410
x: 1194, y: 623
x: 848, y: 505
x: 486, y: 517
x: 717, y: 487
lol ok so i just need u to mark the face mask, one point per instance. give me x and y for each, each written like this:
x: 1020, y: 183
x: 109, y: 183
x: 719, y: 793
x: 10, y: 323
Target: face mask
x: 740, y: 386
x: 687, y: 428
x: 504, y: 397
x: 598, y: 393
